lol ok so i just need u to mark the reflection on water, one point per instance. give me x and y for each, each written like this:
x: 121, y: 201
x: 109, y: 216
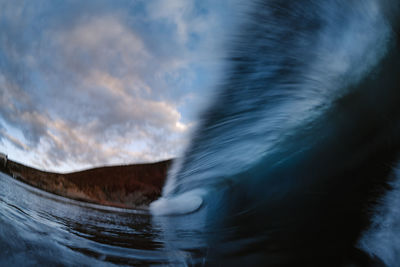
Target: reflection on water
x: 40, y: 228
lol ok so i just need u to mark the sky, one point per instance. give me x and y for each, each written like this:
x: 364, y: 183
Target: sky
x: 92, y: 83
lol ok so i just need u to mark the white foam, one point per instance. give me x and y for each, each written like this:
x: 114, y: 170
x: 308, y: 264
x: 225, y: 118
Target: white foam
x: 383, y: 238
x: 178, y: 205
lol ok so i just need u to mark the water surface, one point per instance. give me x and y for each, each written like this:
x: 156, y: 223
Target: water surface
x: 38, y: 228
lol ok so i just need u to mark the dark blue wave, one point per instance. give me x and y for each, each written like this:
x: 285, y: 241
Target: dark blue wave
x: 301, y: 141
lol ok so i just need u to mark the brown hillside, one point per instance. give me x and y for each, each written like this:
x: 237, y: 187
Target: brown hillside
x: 129, y: 186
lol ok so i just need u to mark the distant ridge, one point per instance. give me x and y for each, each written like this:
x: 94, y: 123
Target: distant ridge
x: 127, y: 186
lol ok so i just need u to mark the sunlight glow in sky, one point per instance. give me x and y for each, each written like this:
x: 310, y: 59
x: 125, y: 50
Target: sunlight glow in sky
x: 89, y: 83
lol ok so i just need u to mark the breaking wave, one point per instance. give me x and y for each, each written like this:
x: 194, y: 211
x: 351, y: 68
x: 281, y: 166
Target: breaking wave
x: 289, y: 161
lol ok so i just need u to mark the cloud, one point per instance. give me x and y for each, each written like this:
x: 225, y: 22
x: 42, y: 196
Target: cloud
x: 15, y: 141
x: 98, y: 82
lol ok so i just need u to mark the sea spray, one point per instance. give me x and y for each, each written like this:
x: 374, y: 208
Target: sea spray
x: 299, y: 141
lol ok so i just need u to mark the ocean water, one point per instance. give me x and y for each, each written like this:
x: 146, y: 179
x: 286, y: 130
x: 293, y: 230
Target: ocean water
x: 292, y: 164
x: 292, y: 160
x: 41, y: 229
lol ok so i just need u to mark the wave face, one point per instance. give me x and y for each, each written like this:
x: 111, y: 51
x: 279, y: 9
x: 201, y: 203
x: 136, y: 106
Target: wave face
x: 299, y: 144
x: 383, y: 237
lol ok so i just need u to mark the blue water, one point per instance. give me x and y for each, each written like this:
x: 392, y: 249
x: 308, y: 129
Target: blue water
x: 41, y: 229
x: 291, y: 158
x: 294, y: 163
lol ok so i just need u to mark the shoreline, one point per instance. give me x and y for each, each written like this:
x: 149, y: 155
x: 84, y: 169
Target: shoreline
x: 132, y: 186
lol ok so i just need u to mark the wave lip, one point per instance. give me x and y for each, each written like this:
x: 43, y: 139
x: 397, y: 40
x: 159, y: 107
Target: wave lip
x: 185, y: 203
